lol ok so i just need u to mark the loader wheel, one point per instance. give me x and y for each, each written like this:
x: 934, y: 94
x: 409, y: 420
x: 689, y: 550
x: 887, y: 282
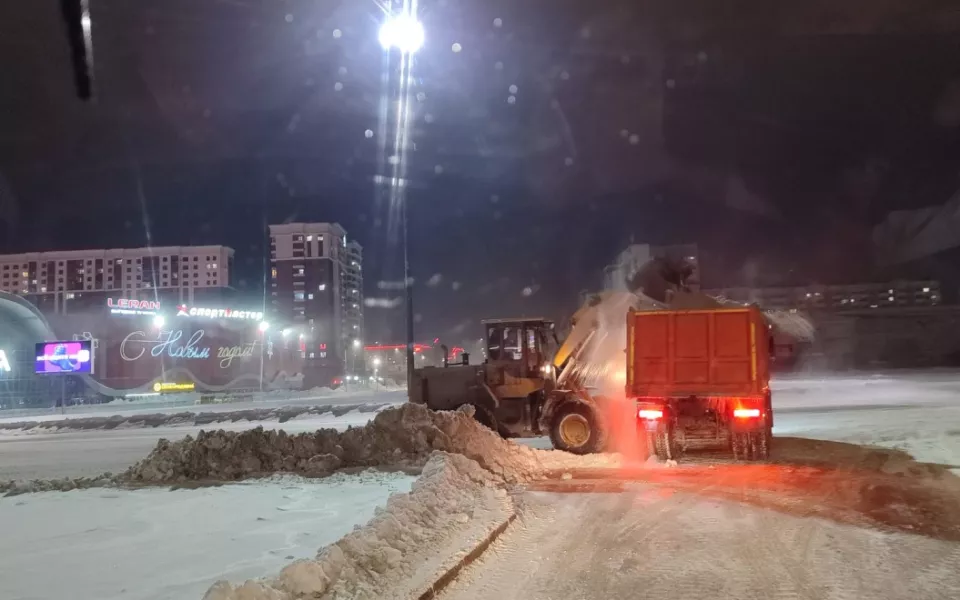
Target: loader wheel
x: 574, y: 428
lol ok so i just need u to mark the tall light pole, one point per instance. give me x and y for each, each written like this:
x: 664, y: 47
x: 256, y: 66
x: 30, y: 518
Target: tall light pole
x: 403, y: 33
x: 262, y: 328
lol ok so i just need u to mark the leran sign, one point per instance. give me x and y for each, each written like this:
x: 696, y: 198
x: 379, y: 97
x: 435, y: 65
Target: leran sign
x: 127, y: 306
x: 4, y: 363
x: 218, y: 313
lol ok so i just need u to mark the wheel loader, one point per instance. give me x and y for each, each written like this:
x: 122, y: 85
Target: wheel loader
x: 529, y: 385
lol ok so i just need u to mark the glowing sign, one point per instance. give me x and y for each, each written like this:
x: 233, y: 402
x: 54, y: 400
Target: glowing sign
x: 4, y: 363
x: 126, y: 306
x: 64, y: 357
x: 218, y: 313
x: 226, y: 354
x: 167, y: 343
x: 165, y: 387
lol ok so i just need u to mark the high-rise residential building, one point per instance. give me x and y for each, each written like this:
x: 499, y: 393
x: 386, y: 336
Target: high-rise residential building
x: 353, y: 292
x: 316, y: 284
x: 68, y: 281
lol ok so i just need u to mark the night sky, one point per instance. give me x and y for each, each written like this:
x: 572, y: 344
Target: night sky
x: 773, y: 134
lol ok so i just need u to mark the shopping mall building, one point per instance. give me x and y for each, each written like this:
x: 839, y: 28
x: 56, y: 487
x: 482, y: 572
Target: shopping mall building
x: 135, y: 346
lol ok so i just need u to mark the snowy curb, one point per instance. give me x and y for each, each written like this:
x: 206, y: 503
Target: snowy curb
x: 447, y: 578
x: 452, y: 512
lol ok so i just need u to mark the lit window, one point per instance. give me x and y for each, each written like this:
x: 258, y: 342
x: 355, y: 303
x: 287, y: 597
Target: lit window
x: 926, y: 290
x: 309, y: 296
x: 309, y: 238
x: 890, y: 298
x: 322, y: 287
x: 298, y: 296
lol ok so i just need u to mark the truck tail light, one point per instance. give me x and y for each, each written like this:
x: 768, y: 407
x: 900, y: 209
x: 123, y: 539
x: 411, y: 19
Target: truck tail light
x: 746, y: 413
x: 650, y: 414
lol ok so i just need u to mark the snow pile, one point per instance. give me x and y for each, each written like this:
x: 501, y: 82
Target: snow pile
x: 457, y: 502
x: 453, y: 505
x: 398, y: 437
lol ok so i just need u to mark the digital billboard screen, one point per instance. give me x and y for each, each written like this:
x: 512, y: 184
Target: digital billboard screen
x: 64, y: 357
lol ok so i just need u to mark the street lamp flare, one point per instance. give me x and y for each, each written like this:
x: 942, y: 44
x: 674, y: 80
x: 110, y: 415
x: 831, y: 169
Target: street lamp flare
x: 403, y: 32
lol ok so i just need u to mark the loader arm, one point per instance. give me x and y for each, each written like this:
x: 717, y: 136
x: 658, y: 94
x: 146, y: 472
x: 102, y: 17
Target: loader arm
x: 585, y: 324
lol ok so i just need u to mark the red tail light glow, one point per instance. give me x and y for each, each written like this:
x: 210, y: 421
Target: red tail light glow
x: 650, y: 414
x: 746, y: 413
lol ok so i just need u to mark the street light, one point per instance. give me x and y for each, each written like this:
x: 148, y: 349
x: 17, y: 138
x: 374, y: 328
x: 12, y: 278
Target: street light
x: 404, y: 33
x: 159, y: 321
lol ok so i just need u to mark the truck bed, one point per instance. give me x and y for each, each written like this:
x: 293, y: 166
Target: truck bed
x: 706, y: 352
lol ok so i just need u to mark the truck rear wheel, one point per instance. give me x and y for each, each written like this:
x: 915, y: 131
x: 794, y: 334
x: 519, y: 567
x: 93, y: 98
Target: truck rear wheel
x: 663, y: 444
x: 740, y: 444
x: 762, y: 449
x: 575, y: 429
x: 754, y: 445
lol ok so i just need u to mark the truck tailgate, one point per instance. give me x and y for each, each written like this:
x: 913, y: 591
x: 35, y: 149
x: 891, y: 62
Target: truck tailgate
x: 711, y: 352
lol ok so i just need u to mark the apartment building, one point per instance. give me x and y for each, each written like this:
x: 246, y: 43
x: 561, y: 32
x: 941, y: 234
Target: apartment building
x: 839, y: 297
x: 69, y: 281
x: 316, y: 283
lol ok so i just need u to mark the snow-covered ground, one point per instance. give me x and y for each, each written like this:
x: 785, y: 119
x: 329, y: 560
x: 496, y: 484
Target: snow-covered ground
x: 917, y: 412
x: 655, y: 542
x: 158, y: 544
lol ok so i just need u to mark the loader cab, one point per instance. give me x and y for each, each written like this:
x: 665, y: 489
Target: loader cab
x: 523, y: 348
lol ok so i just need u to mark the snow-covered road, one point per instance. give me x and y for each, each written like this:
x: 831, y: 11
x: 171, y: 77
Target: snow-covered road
x: 158, y: 544
x: 655, y: 542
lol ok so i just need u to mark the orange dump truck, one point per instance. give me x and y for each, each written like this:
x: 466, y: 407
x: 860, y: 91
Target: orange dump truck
x: 701, y: 379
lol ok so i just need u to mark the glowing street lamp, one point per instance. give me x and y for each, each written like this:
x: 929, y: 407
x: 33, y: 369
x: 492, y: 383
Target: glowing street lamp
x: 159, y: 321
x: 263, y: 326
x: 402, y: 32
